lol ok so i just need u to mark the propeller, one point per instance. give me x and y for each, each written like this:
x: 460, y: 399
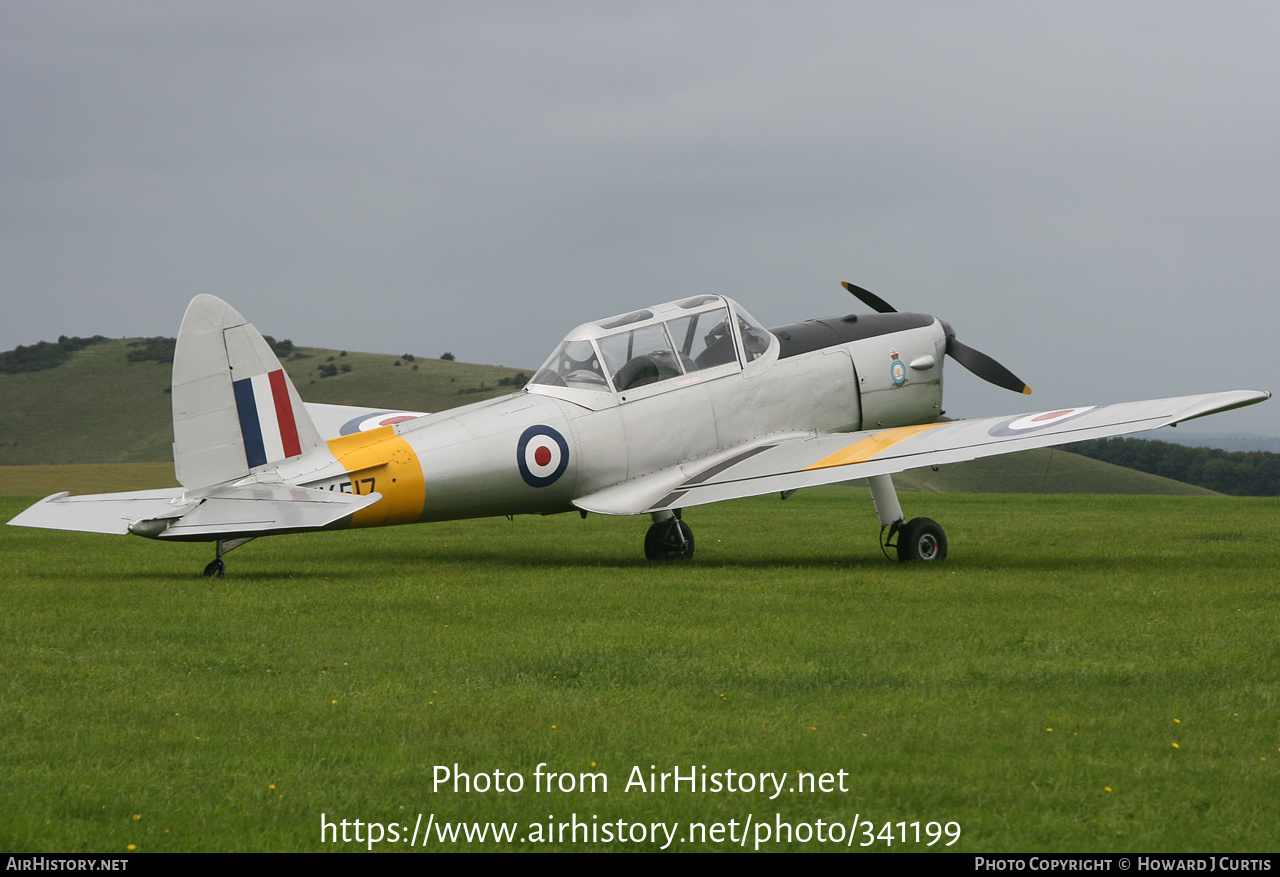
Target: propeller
x: 970, y: 357
x: 870, y: 299
x: 984, y: 366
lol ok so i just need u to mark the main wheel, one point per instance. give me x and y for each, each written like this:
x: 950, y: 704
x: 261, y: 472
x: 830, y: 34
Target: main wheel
x: 921, y: 539
x: 663, y: 541
x: 215, y: 569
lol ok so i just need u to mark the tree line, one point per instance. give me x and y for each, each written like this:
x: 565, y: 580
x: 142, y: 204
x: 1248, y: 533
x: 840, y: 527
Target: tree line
x: 1238, y: 473
x: 43, y: 354
x: 47, y: 354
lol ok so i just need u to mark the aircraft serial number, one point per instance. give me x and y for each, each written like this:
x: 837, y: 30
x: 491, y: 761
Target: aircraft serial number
x: 360, y: 488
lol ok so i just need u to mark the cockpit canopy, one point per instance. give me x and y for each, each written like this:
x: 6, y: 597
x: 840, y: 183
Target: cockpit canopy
x: 653, y: 345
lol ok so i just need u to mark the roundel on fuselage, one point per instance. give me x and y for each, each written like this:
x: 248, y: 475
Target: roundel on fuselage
x: 542, y: 455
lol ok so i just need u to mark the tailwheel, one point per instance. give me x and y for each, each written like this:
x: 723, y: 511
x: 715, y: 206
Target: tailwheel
x: 921, y: 539
x: 668, y: 539
x: 217, y: 568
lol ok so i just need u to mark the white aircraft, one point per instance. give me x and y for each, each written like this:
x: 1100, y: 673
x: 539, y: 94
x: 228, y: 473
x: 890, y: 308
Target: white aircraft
x: 649, y: 412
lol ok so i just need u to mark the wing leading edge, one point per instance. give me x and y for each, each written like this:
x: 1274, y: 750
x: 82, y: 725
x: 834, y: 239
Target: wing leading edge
x: 791, y: 462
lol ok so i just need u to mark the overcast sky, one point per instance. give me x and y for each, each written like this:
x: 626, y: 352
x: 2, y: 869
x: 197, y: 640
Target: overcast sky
x: 1089, y: 192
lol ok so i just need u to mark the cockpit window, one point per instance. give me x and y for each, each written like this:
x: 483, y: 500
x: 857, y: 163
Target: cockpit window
x: 641, y: 356
x: 574, y: 364
x: 704, y: 340
x: 755, y: 338
x: 655, y: 344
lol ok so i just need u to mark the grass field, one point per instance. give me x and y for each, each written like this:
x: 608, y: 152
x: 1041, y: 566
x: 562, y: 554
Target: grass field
x: 1083, y: 674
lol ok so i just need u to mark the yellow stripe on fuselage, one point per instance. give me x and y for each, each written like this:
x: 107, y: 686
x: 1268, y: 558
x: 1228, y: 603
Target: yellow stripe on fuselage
x: 870, y: 447
x: 381, y: 461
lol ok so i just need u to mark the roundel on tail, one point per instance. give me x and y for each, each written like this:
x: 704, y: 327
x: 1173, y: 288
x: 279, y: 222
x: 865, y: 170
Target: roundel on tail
x: 542, y: 455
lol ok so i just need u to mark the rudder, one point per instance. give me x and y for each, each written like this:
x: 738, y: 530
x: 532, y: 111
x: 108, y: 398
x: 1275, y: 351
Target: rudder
x: 235, y: 411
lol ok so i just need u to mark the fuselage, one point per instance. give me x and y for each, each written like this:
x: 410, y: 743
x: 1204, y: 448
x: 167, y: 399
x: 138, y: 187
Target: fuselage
x: 586, y: 423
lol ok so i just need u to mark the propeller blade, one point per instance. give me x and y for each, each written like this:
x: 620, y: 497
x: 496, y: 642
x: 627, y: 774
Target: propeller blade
x: 984, y: 366
x: 971, y: 358
x: 870, y: 299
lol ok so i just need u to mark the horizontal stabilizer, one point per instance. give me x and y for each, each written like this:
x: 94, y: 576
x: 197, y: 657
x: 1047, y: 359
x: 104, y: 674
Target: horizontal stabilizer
x: 172, y: 513
x: 259, y: 509
x: 103, y: 512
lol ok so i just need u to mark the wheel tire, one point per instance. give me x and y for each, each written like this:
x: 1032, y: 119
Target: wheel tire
x: 663, y: 543
x: 921, y: 539
x: 216, y: 569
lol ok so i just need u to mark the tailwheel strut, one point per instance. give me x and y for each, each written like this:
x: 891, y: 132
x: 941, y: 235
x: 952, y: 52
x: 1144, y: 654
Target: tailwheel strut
x: 217, y: 568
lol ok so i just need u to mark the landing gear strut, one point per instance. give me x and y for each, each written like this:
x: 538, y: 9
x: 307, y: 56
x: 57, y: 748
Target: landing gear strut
x: 918, y: 538
x: 669, y: 538
x: 217, y: 567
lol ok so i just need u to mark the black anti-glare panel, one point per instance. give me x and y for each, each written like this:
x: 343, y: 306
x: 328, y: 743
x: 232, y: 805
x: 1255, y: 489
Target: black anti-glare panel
x: 810, y: 335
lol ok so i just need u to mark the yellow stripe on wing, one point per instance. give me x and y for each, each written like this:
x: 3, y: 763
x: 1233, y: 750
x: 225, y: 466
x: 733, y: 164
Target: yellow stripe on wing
x: 870, y: 447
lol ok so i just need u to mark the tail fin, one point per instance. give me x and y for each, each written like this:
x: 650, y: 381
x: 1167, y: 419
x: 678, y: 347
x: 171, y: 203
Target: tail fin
x: 235, y: 411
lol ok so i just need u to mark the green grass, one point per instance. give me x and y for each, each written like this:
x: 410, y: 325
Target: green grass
x: 342, y: 668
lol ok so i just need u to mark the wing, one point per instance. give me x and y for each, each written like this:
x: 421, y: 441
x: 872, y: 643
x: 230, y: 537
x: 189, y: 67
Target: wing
x: 791, y: 461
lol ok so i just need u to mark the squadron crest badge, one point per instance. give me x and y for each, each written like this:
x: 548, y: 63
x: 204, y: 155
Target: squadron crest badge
x: 897, y: 369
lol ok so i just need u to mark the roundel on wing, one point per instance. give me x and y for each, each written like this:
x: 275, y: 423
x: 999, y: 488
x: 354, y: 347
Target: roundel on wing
x: 542, y: 455
x: 1032, y: 422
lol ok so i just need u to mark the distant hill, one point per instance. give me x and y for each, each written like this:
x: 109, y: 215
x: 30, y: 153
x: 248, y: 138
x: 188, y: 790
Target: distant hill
x: 1237, y: 473
x: 1045, y: 470
x: 100, y: 406
x: 1236, y: 443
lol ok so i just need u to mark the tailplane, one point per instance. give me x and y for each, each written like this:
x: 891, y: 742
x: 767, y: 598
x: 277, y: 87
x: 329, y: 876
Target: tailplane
x: 235, y: 411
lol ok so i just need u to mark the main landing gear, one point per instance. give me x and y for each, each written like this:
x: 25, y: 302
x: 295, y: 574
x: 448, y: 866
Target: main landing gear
x: 918, y: 538
x: 669, y: 538
x: 217, y: 567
